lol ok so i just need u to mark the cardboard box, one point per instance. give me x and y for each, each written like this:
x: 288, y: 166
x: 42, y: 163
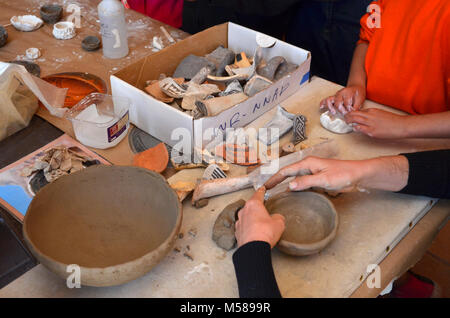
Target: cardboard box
x: 161, y: 120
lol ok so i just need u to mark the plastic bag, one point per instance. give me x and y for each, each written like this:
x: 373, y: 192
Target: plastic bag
x: 19, y: 94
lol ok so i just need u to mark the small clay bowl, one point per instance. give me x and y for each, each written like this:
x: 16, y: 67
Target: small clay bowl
x: 311, y: 221
x: 3, y: 36
x: 114, y: 222
x: 51, y: 13
x: 90, y: 43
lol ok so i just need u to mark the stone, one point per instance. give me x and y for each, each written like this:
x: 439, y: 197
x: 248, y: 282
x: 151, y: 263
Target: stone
x: 3, y: 36
x: 191, y: 65
x: 223, y: 230
x: 90, y: 43
x: 51, y: 13
x: 26, y: 23
x: 64, y: 30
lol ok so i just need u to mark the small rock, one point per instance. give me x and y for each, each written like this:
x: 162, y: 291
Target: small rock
x: 51, y: 13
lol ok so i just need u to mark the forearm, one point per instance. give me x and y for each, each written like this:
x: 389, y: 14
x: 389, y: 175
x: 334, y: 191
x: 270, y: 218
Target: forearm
x: 254, y: 271
x: 357, y: 75
x: 384, y: 173
x: 429, y: 174
x: 428, y: 126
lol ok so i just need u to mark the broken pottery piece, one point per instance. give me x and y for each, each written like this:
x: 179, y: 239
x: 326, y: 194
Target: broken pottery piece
x: 269, y: 70
x: 311, y: 221
x: 201, y: 204
x: 214, y: 106
x: 241, y: 60
x: 155, y: 90
x: 256, y: 84
x: 51, y: 13
x: 279, y: 125
x: 335, y: 124
x: 212, y: 172
x: 284, y: 69
x: 64, y: 30
x: 197, y: 92
x: 223, y: 230
x: 265, y: 41
x: 90, y: 43
x: 32, y: 53
x: 26, y: 23
x: 140, y: 141
x: 242, y: 155
x: 3, y: 36
x: 232, y: 88
x: 191, y: 65
x: 200, y: 77
x: 288, y: 147
x: 155, y: 159
x: 227, y: 79
x: 221, y: 57
x: 170, y: 87
x: 299, y: 128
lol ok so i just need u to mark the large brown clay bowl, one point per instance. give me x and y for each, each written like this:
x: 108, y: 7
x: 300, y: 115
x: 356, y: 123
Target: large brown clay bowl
x: 115, y: 222
x: 311, y: 221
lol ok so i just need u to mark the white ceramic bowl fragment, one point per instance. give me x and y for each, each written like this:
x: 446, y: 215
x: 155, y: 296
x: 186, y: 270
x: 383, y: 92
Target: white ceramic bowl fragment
x: 26, y: 23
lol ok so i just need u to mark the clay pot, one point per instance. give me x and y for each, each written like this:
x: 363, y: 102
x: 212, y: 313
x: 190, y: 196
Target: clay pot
x: 90, y: 43
x: 51, y: 13
x: 115, y: 222
x: 311, y: 221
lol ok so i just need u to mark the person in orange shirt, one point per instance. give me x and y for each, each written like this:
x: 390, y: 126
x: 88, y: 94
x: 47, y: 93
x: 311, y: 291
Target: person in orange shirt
x: 402, y: 60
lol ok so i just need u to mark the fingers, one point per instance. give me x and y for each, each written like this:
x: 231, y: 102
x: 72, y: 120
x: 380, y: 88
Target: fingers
x: 259, y: 194
x: 279, y: 219
x: 367, y: 130
x: 303, y: 167
x: 359, y: 100
x: 357, y: 117
x: 306, y: 182
x: 328, y: 103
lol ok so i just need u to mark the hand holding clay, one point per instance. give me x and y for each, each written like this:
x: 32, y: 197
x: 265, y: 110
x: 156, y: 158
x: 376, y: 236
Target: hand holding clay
x: 346, y: 100
x: 256, y: 224
x: 378, y: 123
x: 384, y: 173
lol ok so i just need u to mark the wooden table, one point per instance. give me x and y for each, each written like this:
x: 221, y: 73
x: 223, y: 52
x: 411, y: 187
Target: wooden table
x: 379, y: 220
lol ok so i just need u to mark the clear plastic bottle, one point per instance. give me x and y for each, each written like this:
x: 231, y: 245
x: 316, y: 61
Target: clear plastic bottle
x: 113, y: 28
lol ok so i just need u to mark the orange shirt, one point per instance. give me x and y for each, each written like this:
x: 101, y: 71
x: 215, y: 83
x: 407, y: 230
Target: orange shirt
x: 408, y: 59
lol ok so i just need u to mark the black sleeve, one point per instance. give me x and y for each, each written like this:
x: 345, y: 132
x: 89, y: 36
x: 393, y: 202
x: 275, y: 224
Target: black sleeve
x: 254, y: 271
x: 429, y: 174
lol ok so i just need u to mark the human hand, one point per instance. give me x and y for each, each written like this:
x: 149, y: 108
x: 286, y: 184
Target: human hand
x: 378, y: 123
x: 329, y: 174
x: 383, y: 173
x: 256, y: 224
x: 346, y: 100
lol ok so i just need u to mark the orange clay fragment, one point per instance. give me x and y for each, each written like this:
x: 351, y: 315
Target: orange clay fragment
x: 155, y: 159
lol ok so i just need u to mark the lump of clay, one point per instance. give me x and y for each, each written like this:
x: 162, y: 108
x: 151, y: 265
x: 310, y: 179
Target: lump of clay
x: 191, y: 65
x: 223, y: 230
x: 335, y: 124
x: 221, y: 57
x: 26, y: 23
x: 3, y: 36
x: 51, y: 13
x: 64, y: 30
x: 32, y: 53
x: 90, y: 43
